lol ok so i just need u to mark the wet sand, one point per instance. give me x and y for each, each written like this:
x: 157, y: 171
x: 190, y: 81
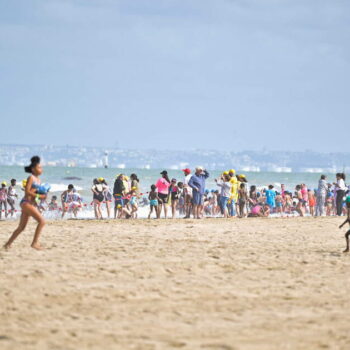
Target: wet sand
x: 205, y: 284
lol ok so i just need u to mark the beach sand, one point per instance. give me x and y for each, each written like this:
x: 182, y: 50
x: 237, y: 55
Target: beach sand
x: 206, y: 284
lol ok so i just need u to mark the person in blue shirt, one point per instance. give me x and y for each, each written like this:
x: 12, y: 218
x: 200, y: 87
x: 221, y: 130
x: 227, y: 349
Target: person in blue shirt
x: 271, y: 197
x: 197, y: 183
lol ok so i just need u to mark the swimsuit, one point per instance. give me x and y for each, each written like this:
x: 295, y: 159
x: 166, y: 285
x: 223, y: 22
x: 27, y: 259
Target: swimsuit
x: 153, y: 202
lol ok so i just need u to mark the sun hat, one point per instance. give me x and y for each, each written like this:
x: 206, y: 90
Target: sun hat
x: 232, y: 171
x: 187, y: 171
x: 4, y: 183
x: 225, y: 173
x: 199, y: 168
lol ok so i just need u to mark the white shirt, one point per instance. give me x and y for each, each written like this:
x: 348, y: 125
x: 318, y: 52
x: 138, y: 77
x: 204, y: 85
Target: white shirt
x: 188, y: 188
x: 341, y: 185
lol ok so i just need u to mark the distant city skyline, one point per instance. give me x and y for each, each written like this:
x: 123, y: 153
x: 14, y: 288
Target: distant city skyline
x: 229, y: 75
x: 253, y: 161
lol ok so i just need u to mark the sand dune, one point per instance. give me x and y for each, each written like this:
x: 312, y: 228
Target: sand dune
x: 210, y: 284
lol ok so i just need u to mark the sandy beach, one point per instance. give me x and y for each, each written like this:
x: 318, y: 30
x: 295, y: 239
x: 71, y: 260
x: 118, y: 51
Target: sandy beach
x: 206, y: 284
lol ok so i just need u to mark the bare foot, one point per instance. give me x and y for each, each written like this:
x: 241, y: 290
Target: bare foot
x: 346, y: 250
x: 37, y: 246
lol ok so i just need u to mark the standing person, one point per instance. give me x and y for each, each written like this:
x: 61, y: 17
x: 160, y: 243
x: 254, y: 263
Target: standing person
x: 312, y: 202
x: 271, y: 197
x: 3, y: 199
x: 299, y: 196
x: 340, y: 191
x: 163, y: 185
x: 28, y: 204
x: 321, y: 195
x: 305, y: 195
x: 107, y: 196
x: 234, y: 193
x: 174, y: 197
x: 197, y: 183
x: 242, y: 199
x: 12, y: 196
x: 187, y: 193
x: 98, y: 190
x: 225, y: 184
x: 135, y: 184
x: 118, y: 194
x: 133, y: 202
x: 153, y: 201
x: 64, y: 199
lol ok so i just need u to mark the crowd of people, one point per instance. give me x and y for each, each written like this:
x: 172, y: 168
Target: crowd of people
x: 169, y: 198
x: 232, y: 197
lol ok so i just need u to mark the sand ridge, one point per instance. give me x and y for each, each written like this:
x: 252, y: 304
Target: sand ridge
x: 166, y: 284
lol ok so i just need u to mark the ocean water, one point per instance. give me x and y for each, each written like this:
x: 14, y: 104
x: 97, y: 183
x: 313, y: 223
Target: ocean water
x: 56, y: 177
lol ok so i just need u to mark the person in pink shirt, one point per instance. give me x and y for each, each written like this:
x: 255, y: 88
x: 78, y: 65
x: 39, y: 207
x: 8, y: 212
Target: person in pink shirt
x: 163, y: 185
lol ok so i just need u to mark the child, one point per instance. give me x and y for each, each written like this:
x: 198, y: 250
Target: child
x: 312, y: 202
x: 174, y: 196
x: 133, y: 202
x: 347, y: 234
x: 154, y: 200
x: 330, y: 204
x: 3, y: 198
x: 53, y: 205
x: 299, y: 196
x: 12, y: 196
x: 242, y: 199
x: 279, y: 203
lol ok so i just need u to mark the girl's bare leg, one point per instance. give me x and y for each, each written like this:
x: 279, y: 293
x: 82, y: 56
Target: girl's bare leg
x: 34, y: 212
x: 347, y: 234
x: 22, y: 225
x: 108, y: 209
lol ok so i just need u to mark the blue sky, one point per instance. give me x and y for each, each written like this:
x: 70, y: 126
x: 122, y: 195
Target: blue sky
x: 219, y: 74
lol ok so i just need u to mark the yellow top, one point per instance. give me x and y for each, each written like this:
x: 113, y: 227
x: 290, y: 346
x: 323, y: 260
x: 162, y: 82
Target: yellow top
x: 234, y: 188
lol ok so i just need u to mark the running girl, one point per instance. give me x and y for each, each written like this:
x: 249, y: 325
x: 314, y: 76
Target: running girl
x: 28, y: 205
x: 347, y: 234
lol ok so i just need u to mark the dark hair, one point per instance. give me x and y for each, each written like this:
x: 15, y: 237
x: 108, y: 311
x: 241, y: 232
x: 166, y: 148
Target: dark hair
x: 153, y: 187
x: 270, y: 187
x: 180, y: 184
x: 242, y: 185
x: 33, y: 163
x: 323, y: 177
x: 95, y: 182
x: 13, y: 180
x: 54, y: 198
x: 298, y: 187
x: 70, y: 186
x: 134, y: 177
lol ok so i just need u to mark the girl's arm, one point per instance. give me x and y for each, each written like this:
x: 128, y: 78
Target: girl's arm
x: 29, y: 191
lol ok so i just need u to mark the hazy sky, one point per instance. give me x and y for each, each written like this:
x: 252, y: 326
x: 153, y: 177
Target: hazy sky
x: 219, y: 74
